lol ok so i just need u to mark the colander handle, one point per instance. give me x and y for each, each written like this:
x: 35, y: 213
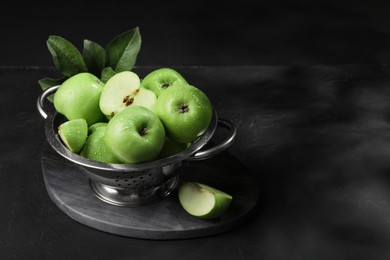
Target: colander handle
x: 41, y: 98
x: 210, y: 152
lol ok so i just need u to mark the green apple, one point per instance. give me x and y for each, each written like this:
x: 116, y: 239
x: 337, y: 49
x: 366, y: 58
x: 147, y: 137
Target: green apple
x: 73, y: 134
x: 185, y: 111
x: 78, y: 97
x: 97, y: 127
x: 160, y: 79
x: 95, y: 147
x: 171, y: 147
x: 203, y: 201
x: 123, y: 90
x: 135, y: 135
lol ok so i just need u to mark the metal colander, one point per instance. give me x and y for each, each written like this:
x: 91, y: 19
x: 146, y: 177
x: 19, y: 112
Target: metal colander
x: 133, y: 184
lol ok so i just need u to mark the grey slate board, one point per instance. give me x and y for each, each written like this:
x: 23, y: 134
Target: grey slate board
x: 69, y: 189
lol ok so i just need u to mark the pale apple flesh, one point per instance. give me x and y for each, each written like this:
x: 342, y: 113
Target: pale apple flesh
x: 73, y: 134
x: 203, y: 201
x: 123, y: 90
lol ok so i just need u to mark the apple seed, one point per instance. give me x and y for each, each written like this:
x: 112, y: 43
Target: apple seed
x: 129, y: 101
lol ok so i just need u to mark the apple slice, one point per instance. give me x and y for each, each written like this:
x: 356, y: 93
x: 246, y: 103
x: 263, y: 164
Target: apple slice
x: 73, y: 134
x: 203, y: 201
x: 123, y: 90
x: 95, y: 147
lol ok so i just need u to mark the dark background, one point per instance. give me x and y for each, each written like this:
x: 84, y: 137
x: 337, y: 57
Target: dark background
x: 181, y: 33
x: 316, y: 136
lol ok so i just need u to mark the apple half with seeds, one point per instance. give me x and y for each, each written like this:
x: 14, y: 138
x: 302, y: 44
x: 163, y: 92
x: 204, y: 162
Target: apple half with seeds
x: 123, y: 90
x: 203, y: 201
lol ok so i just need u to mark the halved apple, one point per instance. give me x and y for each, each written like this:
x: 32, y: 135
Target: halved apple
x: 203, y: 201
x: 123, y: 90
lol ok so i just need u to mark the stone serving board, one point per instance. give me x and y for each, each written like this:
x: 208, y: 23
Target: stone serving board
x: 69, y: 189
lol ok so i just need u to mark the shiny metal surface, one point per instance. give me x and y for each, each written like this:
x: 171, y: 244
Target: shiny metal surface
x: 134, y: 184
x: 133, y: 197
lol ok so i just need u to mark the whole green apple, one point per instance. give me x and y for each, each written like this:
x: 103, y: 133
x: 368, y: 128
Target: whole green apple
x: 185, y: 111
x: 135, y: 135
x: 160, y: 79
x: 95, y: 147
x: 171, y: 148
x: 78, y: 97
x: 97, y: 126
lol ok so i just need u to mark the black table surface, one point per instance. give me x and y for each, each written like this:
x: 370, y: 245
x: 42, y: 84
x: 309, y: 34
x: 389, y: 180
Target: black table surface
x: 317, y: 139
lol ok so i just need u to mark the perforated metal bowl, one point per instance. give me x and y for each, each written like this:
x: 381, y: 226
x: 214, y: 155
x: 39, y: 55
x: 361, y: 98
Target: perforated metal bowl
x: 133, y: 184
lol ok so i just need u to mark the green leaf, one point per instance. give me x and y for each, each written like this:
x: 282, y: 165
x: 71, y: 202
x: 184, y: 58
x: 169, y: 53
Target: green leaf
x: 66, y: 57
x: 49, y: 82
x: 107, y: 73
x: 94, y: 57
x: 122, y: 51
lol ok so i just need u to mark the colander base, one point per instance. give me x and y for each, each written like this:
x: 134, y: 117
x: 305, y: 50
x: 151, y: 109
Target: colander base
x: 134, y: 197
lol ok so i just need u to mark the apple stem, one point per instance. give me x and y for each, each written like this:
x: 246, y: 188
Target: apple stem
x: 165, y: 85
x: 143, y: 131
x: 183, y: 108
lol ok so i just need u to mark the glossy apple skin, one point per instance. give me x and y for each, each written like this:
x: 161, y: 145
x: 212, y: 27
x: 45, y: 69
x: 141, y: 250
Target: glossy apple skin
x: 171, y: 148
x: 74, y: 133
x: 78, y: 97
x: 185, y: 111
x: 161, y: 79
x: 95, y: 147
x: 135, y: 135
